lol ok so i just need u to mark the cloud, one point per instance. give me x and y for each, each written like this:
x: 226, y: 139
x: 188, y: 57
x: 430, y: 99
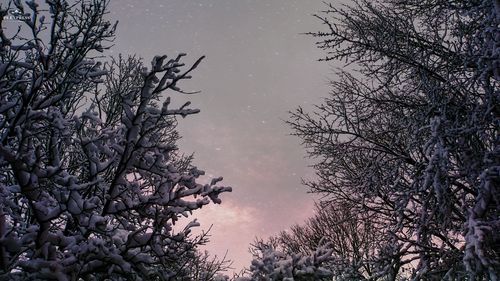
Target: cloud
x: 233, y: 230
x: 227, y: 215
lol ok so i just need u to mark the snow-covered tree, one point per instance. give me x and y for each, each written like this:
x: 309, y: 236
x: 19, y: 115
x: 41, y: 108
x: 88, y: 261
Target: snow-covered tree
x: 354, y: 238
x: 412, y: 134
x: 91, y: 182
x: 271, y: 264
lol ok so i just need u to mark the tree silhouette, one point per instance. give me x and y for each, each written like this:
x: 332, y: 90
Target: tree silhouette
x: 412, y: 135
x: 91, y: 182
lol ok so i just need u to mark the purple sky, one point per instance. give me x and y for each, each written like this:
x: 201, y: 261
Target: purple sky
x: 258, y: 67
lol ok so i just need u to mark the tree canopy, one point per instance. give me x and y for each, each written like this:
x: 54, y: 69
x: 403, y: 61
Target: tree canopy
x: 91, y: 180
x: 409, y: 135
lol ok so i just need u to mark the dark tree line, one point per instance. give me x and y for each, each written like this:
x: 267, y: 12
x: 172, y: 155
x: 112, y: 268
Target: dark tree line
x: 408, y: 142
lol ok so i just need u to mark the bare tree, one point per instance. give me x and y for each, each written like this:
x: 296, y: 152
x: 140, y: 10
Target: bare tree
x: 207, y: 268
x: 91, y: 182
x: 413, y: 134
x: 354, y: 237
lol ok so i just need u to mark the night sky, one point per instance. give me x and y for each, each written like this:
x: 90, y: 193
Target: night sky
x: 258, y: 67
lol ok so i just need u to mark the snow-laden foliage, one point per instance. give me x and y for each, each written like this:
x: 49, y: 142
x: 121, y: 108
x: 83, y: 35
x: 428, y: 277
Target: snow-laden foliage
x: 271, y: 264
x: 413, y: 134
x: 91, y: 182
x: 354, y: 240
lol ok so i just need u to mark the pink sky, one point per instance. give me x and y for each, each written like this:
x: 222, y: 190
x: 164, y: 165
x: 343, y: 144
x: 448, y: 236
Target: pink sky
x: 258, y: 67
